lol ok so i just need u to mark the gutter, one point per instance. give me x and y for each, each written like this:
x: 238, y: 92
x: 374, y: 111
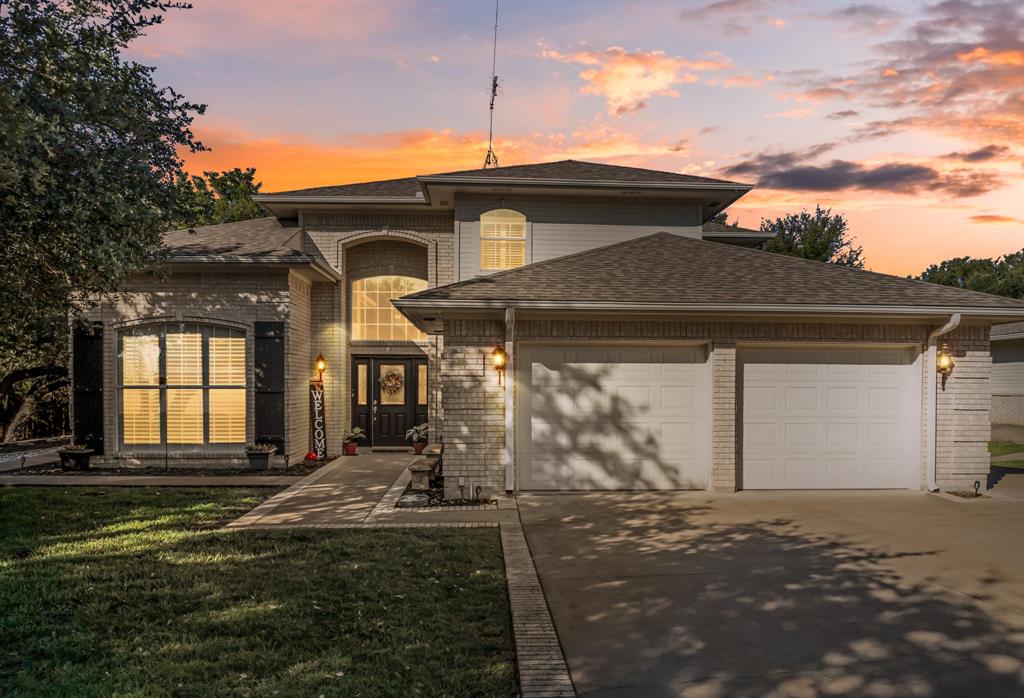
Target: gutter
x: 732, y: 308
x: 932, y: 398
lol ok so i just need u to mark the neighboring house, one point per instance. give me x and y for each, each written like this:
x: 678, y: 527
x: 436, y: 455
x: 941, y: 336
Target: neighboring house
x: 643, y: 352
x: 1008, y: 380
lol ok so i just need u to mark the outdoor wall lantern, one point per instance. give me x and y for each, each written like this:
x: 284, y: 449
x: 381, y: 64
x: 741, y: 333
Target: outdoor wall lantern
x: 321, y: 364
x: 944, y: 363
x: 499, y: 358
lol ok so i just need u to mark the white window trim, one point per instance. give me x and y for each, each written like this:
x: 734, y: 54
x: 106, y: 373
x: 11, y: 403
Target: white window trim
x: 481, y: 238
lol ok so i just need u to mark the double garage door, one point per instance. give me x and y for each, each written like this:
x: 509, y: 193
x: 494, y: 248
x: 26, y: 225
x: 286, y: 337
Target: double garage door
x: 639, y: 417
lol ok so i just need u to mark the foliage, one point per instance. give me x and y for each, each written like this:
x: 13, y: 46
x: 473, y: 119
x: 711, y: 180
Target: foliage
x: 1002, y: 276
x: 820, y: 236
x: 217, y: 197
x: 417, y: 433
x: 357, y: 434
x: 260, y: 448
x: 140, y: 591
x: 89, y: 157
x: 1003, y: 448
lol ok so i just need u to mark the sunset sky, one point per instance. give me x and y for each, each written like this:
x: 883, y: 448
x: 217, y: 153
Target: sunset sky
x: 907, y: 117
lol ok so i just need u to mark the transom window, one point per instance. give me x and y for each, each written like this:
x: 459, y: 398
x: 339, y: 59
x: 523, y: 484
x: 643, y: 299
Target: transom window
x: 182, y: 386
x: 373, y: 316
x: 502, y: 239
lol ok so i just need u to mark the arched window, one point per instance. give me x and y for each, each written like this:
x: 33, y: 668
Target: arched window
x: 182, y: 386
x: 502, y: 239
x: 373, y: 316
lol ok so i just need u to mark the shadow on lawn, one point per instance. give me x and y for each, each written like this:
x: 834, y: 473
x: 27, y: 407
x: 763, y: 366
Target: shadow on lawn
x: 653, y: 596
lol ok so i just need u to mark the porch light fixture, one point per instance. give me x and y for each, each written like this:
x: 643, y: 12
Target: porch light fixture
x: 944, y: 363
x: 321, y: 364
x: 499, y: 358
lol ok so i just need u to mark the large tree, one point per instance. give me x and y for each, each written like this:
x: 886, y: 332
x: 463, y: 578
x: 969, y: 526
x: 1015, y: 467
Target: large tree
x: 217, y: 197
x: 822, y: 236
x: 1003, y: 276
x: 90, y: 153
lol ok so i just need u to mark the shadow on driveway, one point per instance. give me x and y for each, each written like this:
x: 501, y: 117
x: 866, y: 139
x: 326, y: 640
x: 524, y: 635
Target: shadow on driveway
x: 693, y: 594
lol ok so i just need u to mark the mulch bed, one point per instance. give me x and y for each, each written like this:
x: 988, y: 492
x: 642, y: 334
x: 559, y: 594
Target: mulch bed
x: 435, y: 495
x: 304, y: 468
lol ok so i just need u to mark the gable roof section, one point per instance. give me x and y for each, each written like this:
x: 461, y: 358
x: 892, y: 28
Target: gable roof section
x: 551, y: 172
x: 400, y: 188
x: 266, y: 240
x: 673, y: 272
x: 580, y: 171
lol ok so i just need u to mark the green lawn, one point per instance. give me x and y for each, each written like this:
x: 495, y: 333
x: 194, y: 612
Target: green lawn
x: 133, y: 591
x: 1010, y: 464
x: 1001, y: 448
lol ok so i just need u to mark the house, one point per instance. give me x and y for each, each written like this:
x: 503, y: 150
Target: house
x: 645, y: 346
x: 1008, y: 381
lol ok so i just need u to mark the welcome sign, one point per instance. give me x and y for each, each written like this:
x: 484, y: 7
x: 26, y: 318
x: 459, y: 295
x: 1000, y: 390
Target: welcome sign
x: 317, y: 420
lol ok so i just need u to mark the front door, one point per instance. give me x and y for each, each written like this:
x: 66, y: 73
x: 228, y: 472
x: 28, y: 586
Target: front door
x: 389, y: 395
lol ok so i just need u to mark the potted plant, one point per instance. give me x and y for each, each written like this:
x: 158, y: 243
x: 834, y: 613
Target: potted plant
x: 418, y: 436
x: 348, y: 441
x: 259, y: 455
x: 75, y: 456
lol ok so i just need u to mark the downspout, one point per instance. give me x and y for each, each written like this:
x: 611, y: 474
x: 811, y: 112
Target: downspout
x: 510, y: 383
x: 932, y: 397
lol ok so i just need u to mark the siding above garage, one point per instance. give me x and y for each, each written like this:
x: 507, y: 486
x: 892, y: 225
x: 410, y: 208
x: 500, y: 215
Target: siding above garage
x: 563, y: 226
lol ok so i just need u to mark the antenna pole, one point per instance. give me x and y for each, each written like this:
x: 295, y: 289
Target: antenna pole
x: 492, y: 158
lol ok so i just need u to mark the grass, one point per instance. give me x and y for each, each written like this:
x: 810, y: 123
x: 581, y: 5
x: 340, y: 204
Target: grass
x: 138, y: 592
x: 1010, y: 464
x: 1001, y: 448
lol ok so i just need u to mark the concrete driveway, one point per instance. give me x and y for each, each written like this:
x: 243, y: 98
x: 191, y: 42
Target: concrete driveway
x: 783, y: 594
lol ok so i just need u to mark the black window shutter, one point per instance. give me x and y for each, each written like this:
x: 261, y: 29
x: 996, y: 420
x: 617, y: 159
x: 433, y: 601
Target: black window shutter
x: 87, y: 385
x: 269, y: 383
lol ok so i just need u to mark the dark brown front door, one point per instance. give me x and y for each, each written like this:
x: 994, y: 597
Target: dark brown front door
x: 389, y: 395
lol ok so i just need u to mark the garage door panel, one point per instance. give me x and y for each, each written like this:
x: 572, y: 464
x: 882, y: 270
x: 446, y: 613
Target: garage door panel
x: 616, y: 417
x: 830, y: 418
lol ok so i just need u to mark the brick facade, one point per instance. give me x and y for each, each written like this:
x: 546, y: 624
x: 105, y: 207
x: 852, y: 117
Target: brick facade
x: 474, y: 404
x: 231, y: 299
x: 359, y: 245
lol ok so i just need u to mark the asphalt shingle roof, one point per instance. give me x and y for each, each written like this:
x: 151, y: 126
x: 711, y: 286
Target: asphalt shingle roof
x: 562, y: 170
x: 266, y: 238
x: 712, y: 227
x: 667, y: 268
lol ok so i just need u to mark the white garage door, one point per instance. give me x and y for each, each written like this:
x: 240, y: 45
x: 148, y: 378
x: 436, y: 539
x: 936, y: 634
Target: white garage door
x: 614, y: 417
x: 827, y: 418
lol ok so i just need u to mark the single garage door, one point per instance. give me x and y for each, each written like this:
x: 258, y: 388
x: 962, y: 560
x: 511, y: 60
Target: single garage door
x: 830, y: 418
x: 614, y: 417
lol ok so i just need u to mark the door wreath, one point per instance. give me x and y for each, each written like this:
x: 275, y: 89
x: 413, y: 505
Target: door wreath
x: 391, y: 383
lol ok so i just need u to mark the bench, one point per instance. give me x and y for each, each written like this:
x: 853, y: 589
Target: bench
x: 423, y: 467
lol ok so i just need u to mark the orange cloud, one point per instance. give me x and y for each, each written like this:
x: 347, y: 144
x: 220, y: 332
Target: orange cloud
x: 284, y: 162
x: 983, y: 55
x: 993, y: 219
x: 890, y: 73
x: 628, y: 79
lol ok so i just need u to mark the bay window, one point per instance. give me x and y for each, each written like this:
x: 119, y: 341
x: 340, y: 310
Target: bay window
x: 182, y: 387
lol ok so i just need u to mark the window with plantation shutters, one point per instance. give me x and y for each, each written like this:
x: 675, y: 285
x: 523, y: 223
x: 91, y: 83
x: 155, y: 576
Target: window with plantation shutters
x: 502, y: 239
x: 182, y: 387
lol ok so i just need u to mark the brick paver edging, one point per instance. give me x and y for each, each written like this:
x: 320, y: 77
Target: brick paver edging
x: 149, y: 480
x: 541, y: 664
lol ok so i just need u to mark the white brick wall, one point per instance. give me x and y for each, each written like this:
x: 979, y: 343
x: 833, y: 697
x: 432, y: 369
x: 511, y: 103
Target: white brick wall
x: 474, y: 405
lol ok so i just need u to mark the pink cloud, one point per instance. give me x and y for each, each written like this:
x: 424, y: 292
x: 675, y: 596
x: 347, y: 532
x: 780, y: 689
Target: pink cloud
x: 628, y: 79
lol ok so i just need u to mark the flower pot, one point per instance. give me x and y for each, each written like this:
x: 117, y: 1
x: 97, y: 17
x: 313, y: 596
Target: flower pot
x: 418, y: 446
x: 258, y: 460
x: 351, y: 447
x: 75, y: 460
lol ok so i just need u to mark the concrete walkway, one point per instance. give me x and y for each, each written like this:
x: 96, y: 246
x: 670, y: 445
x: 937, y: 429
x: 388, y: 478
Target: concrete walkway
x: 783, y: 594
